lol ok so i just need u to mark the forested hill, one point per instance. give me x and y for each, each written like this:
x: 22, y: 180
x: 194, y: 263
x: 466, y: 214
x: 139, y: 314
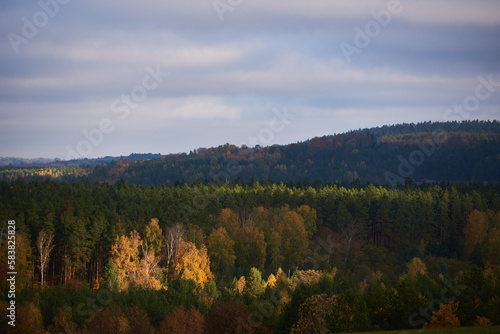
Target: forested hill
x: 425, y: 152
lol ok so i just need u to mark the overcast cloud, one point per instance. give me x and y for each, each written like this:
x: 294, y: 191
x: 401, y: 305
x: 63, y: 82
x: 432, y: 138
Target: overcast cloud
x: 230, y: 66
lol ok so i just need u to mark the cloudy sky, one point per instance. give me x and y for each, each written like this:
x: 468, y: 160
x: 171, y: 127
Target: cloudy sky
x: 89, y: 78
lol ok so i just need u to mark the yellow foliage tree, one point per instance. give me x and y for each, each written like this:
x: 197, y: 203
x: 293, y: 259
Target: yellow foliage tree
x: 240, y: 285
x: 145, y: 276
x: 445, y: 317
x: 271, y: 281
x: 415, y: 267
x: 130, y: 267
x: 125, y: 254
x: 308, y: 277
x: 194, y: 263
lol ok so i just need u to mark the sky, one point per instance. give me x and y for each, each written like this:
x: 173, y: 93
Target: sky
x: 86, y: 79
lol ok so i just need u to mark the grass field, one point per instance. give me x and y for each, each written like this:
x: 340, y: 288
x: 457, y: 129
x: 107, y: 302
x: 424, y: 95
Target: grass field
x: 457, y: 330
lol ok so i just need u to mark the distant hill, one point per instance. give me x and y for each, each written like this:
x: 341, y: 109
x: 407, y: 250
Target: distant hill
x: 48, y: 162
x: 10, y: 161
x: 425, y: 152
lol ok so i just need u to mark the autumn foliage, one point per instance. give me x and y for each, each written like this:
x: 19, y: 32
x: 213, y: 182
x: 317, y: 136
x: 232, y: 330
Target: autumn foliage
x: 482, y: 322
x: 183, y: 322
x: 313, y: 313
x: 445, y: 317
x: 134, y: 263
x: 110, y: 321
x: 194, y: 263
x: 415, y: 267
x: 232, y: 318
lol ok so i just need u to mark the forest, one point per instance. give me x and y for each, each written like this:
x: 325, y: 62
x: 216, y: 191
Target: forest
x: 427, y: 152
x: 257, y: 256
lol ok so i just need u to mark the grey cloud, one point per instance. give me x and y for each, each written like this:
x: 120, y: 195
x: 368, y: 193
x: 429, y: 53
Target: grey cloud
x: 226, y: 76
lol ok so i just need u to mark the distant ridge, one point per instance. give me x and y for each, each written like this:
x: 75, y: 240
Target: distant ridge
x: 48, y: 162
x: 424, y: 152
x: 6, y: 161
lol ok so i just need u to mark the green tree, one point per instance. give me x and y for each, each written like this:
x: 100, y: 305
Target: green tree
x: 153, y: 236
x: 255, y: 285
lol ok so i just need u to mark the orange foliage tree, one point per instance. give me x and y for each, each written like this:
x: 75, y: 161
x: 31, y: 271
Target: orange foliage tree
x: 445, y: 317
x: 182, y: 321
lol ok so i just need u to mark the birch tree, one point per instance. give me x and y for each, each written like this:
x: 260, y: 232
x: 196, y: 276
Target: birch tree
x: 45, y: 246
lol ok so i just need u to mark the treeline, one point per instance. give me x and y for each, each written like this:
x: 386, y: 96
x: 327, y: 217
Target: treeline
x: 432, y: 151
x: 150, y: 257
